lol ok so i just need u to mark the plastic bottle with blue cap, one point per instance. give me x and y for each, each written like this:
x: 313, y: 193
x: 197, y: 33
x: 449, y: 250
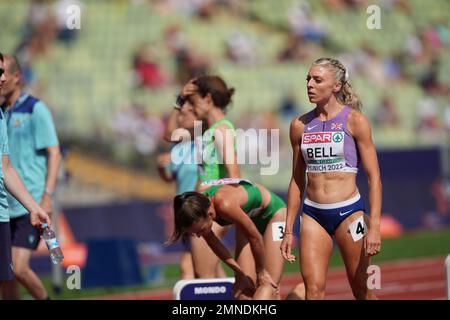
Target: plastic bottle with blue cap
x: 56, y: 254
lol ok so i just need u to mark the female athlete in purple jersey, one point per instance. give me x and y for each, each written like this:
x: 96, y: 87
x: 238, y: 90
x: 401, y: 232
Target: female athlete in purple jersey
x: 328, y: 144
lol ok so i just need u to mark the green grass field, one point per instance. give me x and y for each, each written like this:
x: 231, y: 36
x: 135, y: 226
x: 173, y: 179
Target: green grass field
x: 409, y: 246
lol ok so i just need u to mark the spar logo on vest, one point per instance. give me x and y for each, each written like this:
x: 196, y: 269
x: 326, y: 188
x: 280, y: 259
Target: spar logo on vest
x: 338, y: 137
x: 323, y: 151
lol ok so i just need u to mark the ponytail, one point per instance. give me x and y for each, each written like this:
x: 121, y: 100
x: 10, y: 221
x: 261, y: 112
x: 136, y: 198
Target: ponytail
x: 347, y: 96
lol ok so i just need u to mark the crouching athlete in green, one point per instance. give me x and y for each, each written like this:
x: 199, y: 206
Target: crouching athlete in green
x: 258, y: 215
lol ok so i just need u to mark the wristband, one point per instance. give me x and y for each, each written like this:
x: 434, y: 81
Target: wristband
x: 179, y: 102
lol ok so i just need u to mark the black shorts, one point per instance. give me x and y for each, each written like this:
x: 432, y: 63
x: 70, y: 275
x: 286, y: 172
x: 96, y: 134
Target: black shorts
x: 6, y: 267
x: 23, y: 234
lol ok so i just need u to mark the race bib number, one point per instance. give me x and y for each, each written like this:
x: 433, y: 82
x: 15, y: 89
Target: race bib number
x: 278, y: 230
x: 358, y: 228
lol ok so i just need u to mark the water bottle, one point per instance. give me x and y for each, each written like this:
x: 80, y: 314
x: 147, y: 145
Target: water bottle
x: 53, y: 246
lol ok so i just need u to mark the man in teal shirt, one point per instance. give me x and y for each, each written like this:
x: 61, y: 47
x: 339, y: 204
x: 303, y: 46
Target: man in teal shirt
x: 9, y: 179
x: 34, y: 152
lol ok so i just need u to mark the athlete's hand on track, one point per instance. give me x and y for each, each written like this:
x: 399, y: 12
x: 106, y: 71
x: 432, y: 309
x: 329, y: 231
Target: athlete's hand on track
x: 243, y: 287
x: 286, y: 247
x: 372, y: 242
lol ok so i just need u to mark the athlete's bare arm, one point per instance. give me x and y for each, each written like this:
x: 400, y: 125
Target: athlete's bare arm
x: 15, y: 186
x: 360, y: 128
x: 296, y: 187
x: 163, y: 161
x: 227, y: 207
x: 221, y: 251
x: 243, y: 282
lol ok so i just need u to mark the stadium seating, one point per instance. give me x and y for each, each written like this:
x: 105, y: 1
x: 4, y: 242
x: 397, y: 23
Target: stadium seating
x: 89, y: 81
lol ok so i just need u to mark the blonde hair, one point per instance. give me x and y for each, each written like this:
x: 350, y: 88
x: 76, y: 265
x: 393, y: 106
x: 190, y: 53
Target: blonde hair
x: 346, y: 95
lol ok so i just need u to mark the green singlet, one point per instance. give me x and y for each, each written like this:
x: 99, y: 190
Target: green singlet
x: 260, y: 216
x: 211, y: 166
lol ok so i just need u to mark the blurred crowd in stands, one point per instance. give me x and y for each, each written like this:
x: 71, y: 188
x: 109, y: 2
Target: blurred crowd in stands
x: 46, y: 22
x: 306, y: 38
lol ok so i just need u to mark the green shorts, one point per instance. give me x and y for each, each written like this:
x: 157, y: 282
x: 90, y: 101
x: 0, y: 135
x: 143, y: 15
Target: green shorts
x: 262, y: 220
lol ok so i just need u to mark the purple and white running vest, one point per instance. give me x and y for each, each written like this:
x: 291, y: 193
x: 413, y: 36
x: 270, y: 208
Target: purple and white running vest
x: 327, y: 146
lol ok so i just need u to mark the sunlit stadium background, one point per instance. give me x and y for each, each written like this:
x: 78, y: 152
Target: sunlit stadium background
x: 110, y: 86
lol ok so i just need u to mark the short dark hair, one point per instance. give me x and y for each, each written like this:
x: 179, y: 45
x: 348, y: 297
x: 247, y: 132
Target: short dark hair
x: 14, y: 65
x: 1, y: 56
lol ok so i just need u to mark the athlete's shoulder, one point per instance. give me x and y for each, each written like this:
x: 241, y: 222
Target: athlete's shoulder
x: 224, y: 124
x: 227, y: 194
x: 223, y: 127
x: 40, y: 106
x: 33, y: 105
x: 223, y: 198
x: 358, y: 122
x: 227, y: 122
x: 31, y: 98
x: 27, y: 104
x: 299, y: 122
